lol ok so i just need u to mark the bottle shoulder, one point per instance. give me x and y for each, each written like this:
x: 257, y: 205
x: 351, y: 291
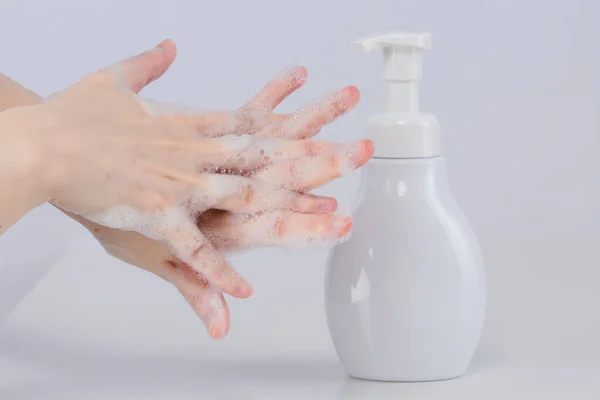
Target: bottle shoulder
x: 401, y: 201
x: 423, y: 229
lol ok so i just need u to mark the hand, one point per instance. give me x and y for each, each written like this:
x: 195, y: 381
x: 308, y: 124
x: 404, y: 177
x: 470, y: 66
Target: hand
x: 121, y: 167
x: 226, y: 232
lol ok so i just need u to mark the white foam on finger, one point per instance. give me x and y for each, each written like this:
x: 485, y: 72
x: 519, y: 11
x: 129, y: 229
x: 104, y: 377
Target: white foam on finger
x: 283, y: 229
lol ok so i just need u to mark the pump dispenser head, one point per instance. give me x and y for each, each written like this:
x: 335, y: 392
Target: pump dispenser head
x: 402, y: 132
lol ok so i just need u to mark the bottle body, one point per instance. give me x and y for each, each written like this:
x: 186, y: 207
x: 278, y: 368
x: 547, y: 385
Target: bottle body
x: 405, y: 295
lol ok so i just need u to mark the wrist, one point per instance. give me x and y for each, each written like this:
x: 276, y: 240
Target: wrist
x: 24, y: 164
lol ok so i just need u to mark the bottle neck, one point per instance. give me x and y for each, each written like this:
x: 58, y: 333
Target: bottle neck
x: 403, y: 135
x: 403, y: 97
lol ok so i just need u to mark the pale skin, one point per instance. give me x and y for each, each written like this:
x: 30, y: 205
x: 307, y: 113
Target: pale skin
x: 72, y: 150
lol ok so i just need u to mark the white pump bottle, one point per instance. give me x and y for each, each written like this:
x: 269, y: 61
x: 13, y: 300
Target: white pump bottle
x: 406, y: 294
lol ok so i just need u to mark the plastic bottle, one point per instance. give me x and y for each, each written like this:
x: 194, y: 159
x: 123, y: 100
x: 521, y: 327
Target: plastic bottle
x: 406, y: 294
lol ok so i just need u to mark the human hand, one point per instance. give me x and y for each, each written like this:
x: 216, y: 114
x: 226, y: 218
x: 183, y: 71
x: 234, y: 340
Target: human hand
x: 123, y: 168
x: 227, y: 232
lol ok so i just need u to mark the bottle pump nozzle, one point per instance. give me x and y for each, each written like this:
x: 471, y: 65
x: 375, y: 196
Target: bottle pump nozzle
x: 402, y: 55
x: 403, y: 131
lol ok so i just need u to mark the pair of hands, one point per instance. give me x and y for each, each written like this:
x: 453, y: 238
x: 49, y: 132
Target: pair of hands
x: 172, y: 191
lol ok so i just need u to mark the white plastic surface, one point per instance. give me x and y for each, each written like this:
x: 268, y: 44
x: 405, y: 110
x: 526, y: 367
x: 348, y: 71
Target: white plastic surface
x: 402, y: 53
x: 403, y: 131
x: 406, y: 295
x: 404, y: 135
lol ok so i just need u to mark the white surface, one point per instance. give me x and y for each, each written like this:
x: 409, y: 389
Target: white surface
x: 28, y: 251
x: 406, y: 294
x: 519, y: 102
x: 541, y: 336
x: 402, y: 131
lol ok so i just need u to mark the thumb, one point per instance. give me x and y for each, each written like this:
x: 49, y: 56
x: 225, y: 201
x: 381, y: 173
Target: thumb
x: 139, y: 71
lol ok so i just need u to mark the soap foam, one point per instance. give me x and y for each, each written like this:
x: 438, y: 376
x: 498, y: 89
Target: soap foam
x: 285, y: 82
x: 348, y: 158
x: 276, y: 229
x: 320, y: 113
x: 260, y: 229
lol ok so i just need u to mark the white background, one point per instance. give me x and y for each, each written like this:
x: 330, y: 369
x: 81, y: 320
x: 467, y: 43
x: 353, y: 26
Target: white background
x: 516, y: 86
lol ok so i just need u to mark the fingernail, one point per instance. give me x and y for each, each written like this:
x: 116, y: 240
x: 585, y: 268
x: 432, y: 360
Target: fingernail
x: 325, y: 205
x: 301, y: 73
x: 156, y: 49
x: 340, y: 226
x: 216, y: 332
x: 241, y: 287
x: 340, y: 95
x: 246, y: 290
x: 352, y: 93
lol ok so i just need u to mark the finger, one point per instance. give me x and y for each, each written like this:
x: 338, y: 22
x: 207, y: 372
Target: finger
x: 242, y: 195
x: 237, y: 154
x: 138, y: 71
x: 277, y: 90
x: 207, y: 302
x: 230, y: 154
x: 278, y: 229
x: 308, y: 173
x: 214, y: 124
x: 249, y: 152
x: 308, y: 121
x: 191, y: 246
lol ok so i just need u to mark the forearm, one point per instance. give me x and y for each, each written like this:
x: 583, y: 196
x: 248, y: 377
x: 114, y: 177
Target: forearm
x: 13, y: 94
x: 21, y: 179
